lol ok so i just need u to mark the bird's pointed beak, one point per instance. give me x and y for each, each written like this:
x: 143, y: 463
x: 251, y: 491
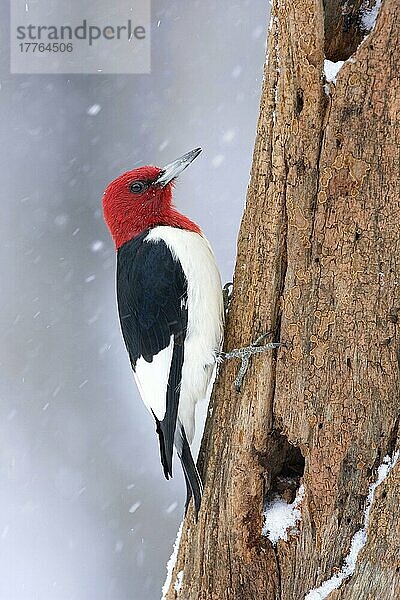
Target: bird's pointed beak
x: 171, y: 171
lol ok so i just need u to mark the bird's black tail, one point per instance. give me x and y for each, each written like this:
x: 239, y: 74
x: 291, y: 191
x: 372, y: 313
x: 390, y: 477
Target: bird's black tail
x: 167, y: 428
x: 194, y: 487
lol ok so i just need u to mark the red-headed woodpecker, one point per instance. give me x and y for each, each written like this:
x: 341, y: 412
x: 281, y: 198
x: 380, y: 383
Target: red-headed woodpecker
x: 169, y: 302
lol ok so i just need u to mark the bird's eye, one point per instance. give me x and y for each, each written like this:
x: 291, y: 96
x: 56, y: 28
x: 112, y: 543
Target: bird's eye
x: 137, y: 187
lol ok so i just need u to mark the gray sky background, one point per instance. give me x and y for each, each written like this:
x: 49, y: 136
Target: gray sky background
x: 85, y: 512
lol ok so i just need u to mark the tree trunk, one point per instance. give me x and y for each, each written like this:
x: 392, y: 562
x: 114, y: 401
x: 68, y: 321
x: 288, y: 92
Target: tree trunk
x: 319, y: 263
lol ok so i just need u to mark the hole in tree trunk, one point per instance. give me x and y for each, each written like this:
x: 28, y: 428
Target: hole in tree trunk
x: 345, y: 27
x: 299, y: 101
x: 394, y: 433
x: 286, y: 468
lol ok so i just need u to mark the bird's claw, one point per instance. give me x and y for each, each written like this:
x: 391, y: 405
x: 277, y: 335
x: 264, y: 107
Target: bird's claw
x: 245, y: 353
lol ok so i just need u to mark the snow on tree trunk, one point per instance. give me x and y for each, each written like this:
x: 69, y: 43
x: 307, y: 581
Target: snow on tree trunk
x: 312, y: 436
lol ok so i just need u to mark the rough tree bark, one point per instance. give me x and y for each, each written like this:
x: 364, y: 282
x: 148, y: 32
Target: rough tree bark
x: 319, y: 262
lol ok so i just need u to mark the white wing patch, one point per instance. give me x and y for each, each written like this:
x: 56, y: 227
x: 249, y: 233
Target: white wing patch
x: 152, y: 380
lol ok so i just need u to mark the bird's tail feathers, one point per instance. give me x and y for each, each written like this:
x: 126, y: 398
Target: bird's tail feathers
x: 194, y: 486
x: 167, y: 428
x: 166, y: 457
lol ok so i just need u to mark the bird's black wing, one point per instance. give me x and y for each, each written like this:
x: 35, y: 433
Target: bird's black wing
x: 152, y: 306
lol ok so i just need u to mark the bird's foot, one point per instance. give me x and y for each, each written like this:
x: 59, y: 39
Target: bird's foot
x: 245, y: 353
x: 227, y: 292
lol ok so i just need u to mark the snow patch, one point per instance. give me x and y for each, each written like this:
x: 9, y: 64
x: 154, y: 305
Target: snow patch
x: 331, y: 69
x: 171, y: 563
x: 178, y: 582
x: 359, y: 539
x: 281, y: 518
x: 369, y: 16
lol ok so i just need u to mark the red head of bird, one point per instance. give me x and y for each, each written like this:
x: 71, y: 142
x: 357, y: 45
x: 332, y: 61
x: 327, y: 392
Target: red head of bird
x: 142, y: 198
